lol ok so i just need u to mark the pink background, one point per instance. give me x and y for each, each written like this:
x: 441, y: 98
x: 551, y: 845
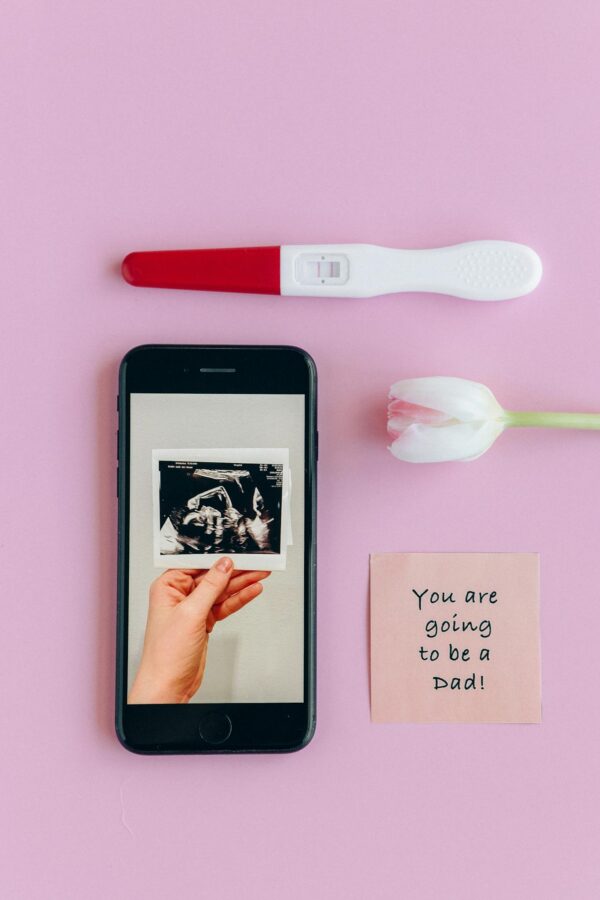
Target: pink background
x: 142, y: 124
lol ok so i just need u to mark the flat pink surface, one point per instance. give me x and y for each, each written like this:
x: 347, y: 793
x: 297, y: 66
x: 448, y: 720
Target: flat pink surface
x: 152, y: 124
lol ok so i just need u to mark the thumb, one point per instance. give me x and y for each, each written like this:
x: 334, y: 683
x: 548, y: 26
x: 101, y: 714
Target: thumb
x: 210, y: 588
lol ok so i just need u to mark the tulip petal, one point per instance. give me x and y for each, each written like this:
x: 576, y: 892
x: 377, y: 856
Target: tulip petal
x: 457, y: 398
x: 402, y: 414
x: 460, y: 441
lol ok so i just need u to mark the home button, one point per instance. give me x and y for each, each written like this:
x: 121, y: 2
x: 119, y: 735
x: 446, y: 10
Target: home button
x: 215, y: 727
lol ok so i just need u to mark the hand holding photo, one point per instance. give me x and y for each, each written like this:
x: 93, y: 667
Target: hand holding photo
x: 209, y: 503
x: 184, y: 607
x: 441, y: 419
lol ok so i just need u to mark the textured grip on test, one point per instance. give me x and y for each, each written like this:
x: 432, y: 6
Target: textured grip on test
x: 495, y: 270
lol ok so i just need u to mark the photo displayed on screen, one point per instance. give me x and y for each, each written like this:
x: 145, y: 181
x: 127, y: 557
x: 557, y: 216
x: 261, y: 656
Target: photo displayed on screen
x: 209, y: 508
x: 209, y: 502
x: 211, y: 478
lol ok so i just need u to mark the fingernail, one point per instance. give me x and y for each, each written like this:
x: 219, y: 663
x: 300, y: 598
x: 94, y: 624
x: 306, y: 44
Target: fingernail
x: 225, y: 564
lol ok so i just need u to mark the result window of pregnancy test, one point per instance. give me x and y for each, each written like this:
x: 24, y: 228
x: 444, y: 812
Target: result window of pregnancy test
x: 223, y: 474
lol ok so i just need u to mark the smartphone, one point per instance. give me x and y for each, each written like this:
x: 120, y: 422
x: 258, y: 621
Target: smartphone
x: 217, y: 453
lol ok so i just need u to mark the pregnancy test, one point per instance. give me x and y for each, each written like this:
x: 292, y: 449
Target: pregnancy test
x: 477, y: 270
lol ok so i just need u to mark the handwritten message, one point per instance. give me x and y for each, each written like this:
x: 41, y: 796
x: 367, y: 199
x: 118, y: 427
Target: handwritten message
x: 455, y: 637
x: 437, y: 625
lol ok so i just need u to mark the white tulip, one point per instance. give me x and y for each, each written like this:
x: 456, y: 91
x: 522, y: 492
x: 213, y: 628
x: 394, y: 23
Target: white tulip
x: 441, y: 419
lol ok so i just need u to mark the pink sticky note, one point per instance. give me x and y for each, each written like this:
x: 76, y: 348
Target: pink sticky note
x: 455, y: 637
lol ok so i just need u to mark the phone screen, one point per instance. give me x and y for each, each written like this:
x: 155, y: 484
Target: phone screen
x: 222, y: 474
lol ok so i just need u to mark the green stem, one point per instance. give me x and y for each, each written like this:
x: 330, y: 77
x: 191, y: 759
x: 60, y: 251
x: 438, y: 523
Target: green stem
x: 553, y: 420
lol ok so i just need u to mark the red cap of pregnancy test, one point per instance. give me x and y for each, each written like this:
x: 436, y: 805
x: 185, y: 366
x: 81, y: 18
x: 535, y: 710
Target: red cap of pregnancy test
x: 245, y: 270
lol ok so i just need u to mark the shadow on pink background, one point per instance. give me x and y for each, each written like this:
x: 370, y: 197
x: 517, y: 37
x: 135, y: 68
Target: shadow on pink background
x: 151, y: 125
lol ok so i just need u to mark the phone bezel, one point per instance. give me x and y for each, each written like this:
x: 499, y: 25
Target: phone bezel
x: 257, y: 727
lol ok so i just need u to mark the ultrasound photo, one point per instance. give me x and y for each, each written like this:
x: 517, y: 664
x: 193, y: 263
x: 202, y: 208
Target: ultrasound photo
x: 206, y: 508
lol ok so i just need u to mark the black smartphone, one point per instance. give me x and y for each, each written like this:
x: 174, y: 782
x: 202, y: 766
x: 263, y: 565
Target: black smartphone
x: 217, y: 451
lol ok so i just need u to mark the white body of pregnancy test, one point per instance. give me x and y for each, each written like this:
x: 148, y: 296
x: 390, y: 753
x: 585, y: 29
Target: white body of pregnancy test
x: 478, y: 270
